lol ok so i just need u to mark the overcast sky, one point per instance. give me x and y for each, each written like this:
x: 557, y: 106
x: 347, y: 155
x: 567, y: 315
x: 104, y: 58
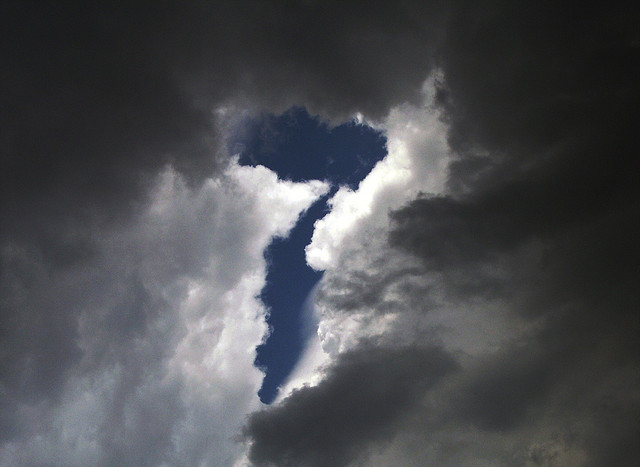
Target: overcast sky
x: 479, y: 296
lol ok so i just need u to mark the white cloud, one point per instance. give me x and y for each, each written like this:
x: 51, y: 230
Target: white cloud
x: 352, y: 240
x: 167, y: 329
x: 353, y: 235
x: 416, y: 162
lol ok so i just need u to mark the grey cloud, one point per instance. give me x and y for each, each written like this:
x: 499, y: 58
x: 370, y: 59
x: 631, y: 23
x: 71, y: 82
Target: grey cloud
x: 96, y: 101
x: 354, y: 289
x: 539, y: 226
x: 558, y: 249
x: 98, y: 351
x: 98, y: 96
x: 528, y: 83
x: 524, y: 75
x: 43, y: 352
x: 548, y: 399
x: 538, y: 100
x: 357, y: 403
x: 448, y: 230
x: 541, y: 219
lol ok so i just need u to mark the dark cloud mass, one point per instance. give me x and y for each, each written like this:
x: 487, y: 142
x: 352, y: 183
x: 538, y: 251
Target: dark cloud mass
x: 541, y: 220
x: 360, y: 399
x: 96, y: 95
x: 112, y: 128
x: 98, y: 98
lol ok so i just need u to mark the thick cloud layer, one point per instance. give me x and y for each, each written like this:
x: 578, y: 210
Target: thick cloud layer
x: 520, y: 265
x: 95, y: 95
x: 338, y: 414
x: 131, y: 244
x: 143, y: 353
x: 479, y: 304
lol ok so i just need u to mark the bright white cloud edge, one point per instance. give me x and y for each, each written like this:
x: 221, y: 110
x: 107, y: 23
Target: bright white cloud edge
x: 416, y: 162
x: 176, y: 391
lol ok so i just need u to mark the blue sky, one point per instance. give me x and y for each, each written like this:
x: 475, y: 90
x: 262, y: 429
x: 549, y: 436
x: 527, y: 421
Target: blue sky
x: 299, y: 147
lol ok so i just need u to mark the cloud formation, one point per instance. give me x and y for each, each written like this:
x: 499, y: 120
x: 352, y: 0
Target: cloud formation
x: 144, y: 352
x: 132, y: 244
x: 338, y: 412
x: 479, y: 304
x: 521, y: 266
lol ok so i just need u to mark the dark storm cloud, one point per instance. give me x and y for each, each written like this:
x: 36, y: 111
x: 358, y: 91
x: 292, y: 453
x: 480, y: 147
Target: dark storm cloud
x: 447, y: 230
x: 541, y: 220
x: 524, y: 76
x: 540, y: 102
x: 572, y: 271
x: 532, y: 84
x: 98, y: 98
x: 362, y: 395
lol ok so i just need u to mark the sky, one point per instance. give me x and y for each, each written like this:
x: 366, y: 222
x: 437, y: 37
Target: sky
x: 309, y: 233
x: 298, y: 147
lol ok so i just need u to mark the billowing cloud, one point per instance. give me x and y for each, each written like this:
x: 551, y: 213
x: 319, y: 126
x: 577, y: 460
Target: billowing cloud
x: 144, y: 353
x: 518, y: 260
x: 100, y: 96
x: 479, y: 304
x: 338, y: 413
x: 131, y: 243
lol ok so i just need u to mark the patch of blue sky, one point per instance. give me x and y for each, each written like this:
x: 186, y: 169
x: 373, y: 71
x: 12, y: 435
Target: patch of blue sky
x: 299, y: 147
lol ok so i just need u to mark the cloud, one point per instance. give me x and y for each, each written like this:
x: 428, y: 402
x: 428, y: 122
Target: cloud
x: 330, y: 423
x: 483, y: 275
x: 144, y: 353
x: 130, y: 242
x: 416, y: 161
x: 518, y: 260
x: 100, y: 97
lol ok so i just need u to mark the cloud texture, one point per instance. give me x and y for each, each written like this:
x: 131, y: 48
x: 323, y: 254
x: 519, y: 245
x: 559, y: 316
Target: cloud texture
x: 480, y: 300
x: 519, y: 262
